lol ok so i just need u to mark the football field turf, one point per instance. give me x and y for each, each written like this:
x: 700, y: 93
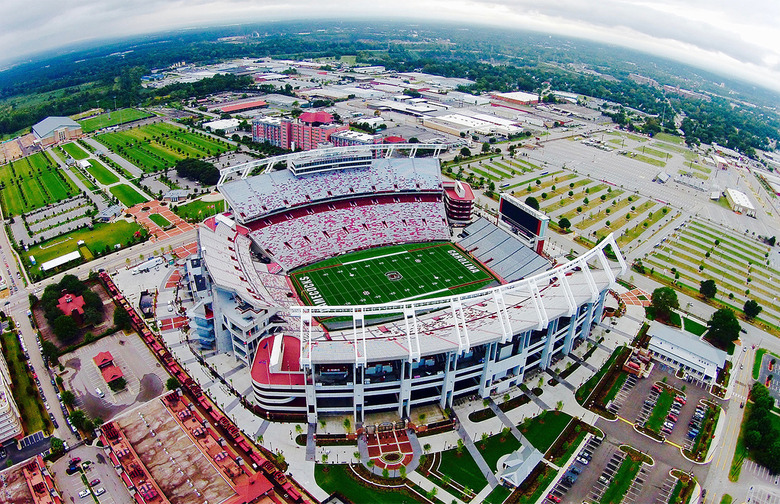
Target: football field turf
x: 393, y: 273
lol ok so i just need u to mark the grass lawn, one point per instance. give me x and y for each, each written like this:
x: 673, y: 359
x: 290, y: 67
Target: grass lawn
x: 646, y: 159
x: 545, y: 479
x: 101, y: 173
x: 498, y: 495
x: 199, y: 209
x: 381, y: 275
x: 127, y: 195
x: 75, y: 151
x: 667, y: 137
x: 462, y: 468
x: 24, y: 390
x: 84, y: 180
x: 160, y: 220
x: 632, y: 234
x: 621, y: 481
x: 494, y: 448
x: 726, y: 499
x: 339, y: 478
x: 660, y: 410
x: 120, y: 116
x: 694, y: 327
x: 153, y: 147
x: 33, y: 182
x: 542, y: 430
x: 97, y: 239
x: 585, y: 390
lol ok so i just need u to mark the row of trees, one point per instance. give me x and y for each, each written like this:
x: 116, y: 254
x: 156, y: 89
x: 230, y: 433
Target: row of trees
x: 761, y: 437
x: 723, y: 327
x: 195, y: 169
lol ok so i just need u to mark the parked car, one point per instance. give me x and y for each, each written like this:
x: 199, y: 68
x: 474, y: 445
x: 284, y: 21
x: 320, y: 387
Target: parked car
x: 84, y: 493
x: 94, y: 482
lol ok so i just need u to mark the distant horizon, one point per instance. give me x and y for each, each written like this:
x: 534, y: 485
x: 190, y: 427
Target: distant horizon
x: 735, y: 41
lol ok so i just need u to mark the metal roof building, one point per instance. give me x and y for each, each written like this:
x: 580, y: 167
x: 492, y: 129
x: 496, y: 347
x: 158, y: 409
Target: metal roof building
x: 683, y: 350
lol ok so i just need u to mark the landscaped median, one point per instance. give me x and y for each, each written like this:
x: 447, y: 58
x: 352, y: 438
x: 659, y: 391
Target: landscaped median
x: 592, y: 393
x: 625, y: 475
x: 683, y: 489
x: 700, y: 449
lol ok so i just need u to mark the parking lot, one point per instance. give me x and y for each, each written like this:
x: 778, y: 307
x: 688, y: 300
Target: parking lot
x: 638, y: 409
x: 768, y: 368
x: 100, y: 468
x: 145, y: 377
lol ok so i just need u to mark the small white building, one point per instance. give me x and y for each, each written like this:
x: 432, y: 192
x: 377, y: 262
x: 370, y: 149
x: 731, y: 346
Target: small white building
x: 517, y: 466
x: 681, y: 350
x: 226, y: 125
x: 739, y: 202
x: 83, y: 163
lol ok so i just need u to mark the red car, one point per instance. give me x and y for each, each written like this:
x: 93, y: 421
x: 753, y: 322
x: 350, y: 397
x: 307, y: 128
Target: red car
x: 94, y: 482
x: 554, y: 498
x: 75, y: 460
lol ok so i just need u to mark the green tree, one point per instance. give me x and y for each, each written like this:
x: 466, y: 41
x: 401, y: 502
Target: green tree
x: 751, y: 309
x: 664, y: 300
x: 65, y: 328
x: 465, y: 152
x: 532, y: 202
x: 485, y: 147
x: 121, y: 318
x: 57, y: 446
x: 78, y: 418
x: 723, y: 326
x: 708, y: 288
x: 172, y: 383
x: 564, y: 223
x: 68, y: 398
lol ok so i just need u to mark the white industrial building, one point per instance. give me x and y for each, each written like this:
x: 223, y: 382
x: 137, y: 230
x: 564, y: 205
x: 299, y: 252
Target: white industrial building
x: 740, y: 203
x: 681, y: 350
x: 225, y: 125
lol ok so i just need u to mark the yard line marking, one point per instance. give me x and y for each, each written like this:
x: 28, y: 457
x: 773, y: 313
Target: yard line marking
x: 375, y: 257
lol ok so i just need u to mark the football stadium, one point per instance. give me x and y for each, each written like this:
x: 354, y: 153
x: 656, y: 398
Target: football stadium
x: 344, y: 286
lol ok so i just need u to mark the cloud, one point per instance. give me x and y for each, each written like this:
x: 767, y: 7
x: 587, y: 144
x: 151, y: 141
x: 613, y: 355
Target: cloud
x: 739, y: 39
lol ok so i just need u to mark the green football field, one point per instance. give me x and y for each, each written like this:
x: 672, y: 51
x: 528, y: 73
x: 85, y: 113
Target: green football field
x: 393, y: 273
x: 112, y: 119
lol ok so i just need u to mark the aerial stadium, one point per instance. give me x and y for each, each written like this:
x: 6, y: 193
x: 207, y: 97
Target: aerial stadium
x: 353, y: 281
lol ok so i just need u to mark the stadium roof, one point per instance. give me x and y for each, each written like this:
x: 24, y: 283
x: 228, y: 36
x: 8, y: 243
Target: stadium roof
x: 46, y: 127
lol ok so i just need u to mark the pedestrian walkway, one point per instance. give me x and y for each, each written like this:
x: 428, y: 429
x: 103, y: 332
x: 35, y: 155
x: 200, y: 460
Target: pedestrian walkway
x: 311, y: 444
x: 427, y: 485
x: 477, y: 456
x: 582, y: 362
x: 537, y: 400
x: 560, y: 380
x: 512, y: 427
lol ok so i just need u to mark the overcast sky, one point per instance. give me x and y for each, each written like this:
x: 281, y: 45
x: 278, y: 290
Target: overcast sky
x: 738, y: 38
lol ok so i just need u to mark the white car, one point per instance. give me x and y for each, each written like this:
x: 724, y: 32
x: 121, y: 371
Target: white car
x: 84, y: 493
x: 100, y: 491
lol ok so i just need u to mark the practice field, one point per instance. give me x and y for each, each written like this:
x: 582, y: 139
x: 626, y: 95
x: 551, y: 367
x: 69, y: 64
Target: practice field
x: 75, y: 151
x: 154, y: 147
x: 127, y: 195
x: 101, y: 173
x: 120, y: 116
x: 33, y: 182
x: 394, y: 273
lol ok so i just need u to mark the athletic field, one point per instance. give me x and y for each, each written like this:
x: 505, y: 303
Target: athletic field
x: 393, y: 273
x: 112, y: 119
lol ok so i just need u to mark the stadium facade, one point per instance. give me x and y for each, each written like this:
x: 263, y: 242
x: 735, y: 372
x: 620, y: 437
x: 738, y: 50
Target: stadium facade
x: 384, y: 357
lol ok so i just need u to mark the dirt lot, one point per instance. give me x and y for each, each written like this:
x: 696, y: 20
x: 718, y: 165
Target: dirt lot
x: 14, y: 489
x: 184, y: 475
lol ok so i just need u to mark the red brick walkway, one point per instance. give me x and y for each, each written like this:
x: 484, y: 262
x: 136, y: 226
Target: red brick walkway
x: 142, y: 211
x: 636, y: 297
